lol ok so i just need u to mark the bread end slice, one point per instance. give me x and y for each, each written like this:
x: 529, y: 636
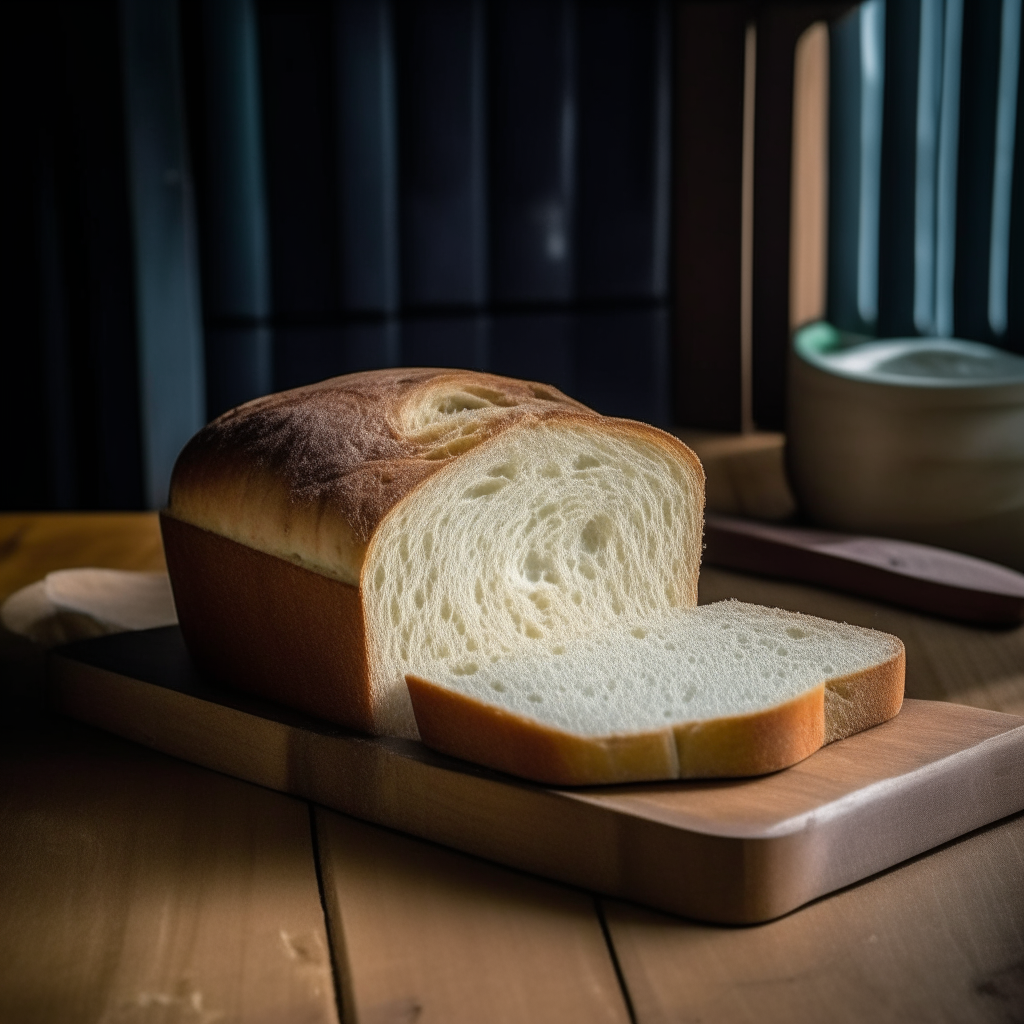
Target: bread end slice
x: 729, y: 736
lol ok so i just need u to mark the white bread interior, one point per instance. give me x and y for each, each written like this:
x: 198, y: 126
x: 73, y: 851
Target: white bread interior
x: 446, y: 534
x: 724, y: 690
x: 536, y: 538
x: 715, y: 661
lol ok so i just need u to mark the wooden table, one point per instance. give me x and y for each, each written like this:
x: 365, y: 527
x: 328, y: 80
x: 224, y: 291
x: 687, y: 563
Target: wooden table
x: 136, y: 888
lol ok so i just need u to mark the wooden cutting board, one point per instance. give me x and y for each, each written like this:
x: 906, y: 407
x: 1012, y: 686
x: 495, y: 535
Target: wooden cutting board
x: 735, y: 851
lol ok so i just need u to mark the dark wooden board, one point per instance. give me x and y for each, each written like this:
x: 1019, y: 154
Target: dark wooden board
x: 918, y: 576
x: 734, y: 851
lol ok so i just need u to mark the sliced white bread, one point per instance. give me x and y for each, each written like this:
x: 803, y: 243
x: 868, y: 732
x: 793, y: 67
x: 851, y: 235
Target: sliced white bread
x: 325, y: 542
x: 329, y: 543
x: 728, y: 689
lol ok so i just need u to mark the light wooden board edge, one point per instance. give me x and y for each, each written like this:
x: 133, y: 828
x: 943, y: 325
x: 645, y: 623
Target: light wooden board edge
x: 566, y: 836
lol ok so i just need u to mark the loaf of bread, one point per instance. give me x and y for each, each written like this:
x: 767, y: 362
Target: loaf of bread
x: 467, y: 532
x: 326, y: 541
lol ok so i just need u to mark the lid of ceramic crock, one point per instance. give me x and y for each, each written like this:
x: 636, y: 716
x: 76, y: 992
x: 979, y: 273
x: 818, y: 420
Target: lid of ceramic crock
x: 910, y: 362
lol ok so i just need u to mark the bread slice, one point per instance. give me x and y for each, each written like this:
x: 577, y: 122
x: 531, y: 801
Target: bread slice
x: 727, y: 689
x: 324, y: 543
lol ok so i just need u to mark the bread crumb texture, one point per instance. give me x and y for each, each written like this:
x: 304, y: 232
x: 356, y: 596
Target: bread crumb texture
x: 480, y: 516
x: 526, y: 544
x: 711, y: 662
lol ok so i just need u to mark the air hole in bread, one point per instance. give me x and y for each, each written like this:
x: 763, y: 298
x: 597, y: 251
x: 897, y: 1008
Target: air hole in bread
x: 460, y: 402
x: 485, y: 488
x: 594, y: 536
x: 539, y: 567
x: 491, y: 396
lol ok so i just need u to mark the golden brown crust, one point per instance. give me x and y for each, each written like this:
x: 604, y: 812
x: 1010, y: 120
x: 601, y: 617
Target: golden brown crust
x: 455, y: 724
x: 263, y: 625
x: 753, y: 744
x: 858, y: 701
x: 309, y: 474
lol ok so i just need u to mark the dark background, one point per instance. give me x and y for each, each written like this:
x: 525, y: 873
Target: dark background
x: 202, y: 201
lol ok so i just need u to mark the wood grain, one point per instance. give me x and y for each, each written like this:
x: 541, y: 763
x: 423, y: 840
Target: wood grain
x: 109, y: 874
x: 136, y: 888
x: 33, y: 544
x: 733, y: 851
x: 945, y: 660
x: 940, y: 938
x: 424, y: 934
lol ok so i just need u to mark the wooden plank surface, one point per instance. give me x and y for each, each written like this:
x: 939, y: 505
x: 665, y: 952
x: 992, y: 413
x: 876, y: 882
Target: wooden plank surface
x: 424, y: 934
x: 940, y: 938
x: 733, y: 851
x: 136, y: 889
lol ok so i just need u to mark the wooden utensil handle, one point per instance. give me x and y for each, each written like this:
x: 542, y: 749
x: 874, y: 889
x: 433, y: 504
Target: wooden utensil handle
x: 916, y: 576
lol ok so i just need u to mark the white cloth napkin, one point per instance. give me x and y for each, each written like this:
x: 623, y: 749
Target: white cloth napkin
x: 73, y: 604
